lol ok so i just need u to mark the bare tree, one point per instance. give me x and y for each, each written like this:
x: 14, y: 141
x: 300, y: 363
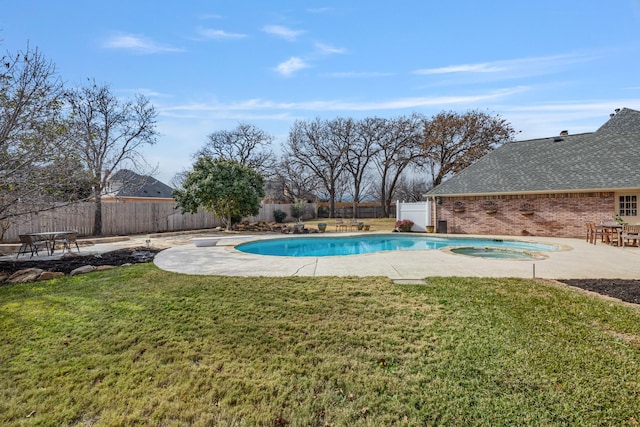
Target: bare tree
x: 411, y: 188
x: 298, y: 181
x: 36, y: 170
x: 177, y: 181
x: 453, y: 141
x: 245, y: 144
x: 108, y: 133
x: 362, y: 147
x: 312, y: 145
x: 399, y: 147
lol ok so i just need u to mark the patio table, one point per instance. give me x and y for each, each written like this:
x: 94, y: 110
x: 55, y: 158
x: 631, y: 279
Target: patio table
x: 612, y: 230
x: 50, y: 237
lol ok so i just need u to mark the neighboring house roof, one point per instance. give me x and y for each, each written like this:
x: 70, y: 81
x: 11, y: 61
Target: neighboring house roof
x: 604, y: 160
x: 126, y: 183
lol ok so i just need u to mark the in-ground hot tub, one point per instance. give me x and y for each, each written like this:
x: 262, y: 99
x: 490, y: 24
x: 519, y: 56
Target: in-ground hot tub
x: 496, y: 253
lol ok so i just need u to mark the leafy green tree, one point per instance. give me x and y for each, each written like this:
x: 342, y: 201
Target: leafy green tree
x: 225, y: 187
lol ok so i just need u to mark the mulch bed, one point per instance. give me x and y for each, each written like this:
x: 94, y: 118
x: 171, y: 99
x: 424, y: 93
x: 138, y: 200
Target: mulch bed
x: 66, y: 266
x: 625, y: 290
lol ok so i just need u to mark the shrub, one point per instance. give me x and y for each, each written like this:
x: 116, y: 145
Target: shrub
x: 297, y: 209
x: 404, y: 225
x: 279, y: 216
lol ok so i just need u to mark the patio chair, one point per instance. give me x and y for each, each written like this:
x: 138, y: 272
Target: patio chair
x: 630, y: 233
x: 31, y: 243
x: 597, y: 230
x: 66, y: 240
x: 589, y: 231
x: 341, y: 225
x: 25, y: 245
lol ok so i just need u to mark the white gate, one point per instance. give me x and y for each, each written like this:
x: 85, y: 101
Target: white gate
x: 418, y: 212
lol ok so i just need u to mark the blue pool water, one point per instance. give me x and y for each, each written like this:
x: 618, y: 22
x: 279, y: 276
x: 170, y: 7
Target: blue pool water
x: 365, y: 244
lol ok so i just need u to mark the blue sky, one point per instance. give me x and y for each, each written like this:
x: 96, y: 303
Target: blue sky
x: 545, y: 66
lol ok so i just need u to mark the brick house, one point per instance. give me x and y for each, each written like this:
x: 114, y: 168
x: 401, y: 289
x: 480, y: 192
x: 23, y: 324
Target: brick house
x: 549, y: 186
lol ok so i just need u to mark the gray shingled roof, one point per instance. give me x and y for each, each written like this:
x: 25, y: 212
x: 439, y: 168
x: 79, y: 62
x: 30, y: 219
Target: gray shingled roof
x: 135, y: 185
x: 608, y: 159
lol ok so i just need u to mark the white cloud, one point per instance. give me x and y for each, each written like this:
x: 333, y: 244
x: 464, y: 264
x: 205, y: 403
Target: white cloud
x: 339, y: 105
x: 326, y: 49
x: 548, y: 119
x: 467, y: 68
x: 282, y: 32
x: 211, y: 33
x: 439, y: 102
x: 511, y: 68
x: 290, y: 66
x: 137, y: 43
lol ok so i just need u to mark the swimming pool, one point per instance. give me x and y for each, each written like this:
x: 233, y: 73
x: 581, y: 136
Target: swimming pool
x: 365, y: 244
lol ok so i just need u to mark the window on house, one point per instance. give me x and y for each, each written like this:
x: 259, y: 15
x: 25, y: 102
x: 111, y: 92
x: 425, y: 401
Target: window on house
x: 628, y: 205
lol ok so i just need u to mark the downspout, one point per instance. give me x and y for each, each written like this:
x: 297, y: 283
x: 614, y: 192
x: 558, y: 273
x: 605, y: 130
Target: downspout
x: 434, y: 215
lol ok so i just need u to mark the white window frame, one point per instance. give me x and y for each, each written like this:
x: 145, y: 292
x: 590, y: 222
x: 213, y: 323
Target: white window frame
x: 627, y: 205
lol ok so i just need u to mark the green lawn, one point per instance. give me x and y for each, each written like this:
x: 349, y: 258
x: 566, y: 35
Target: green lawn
x: 139, y: 346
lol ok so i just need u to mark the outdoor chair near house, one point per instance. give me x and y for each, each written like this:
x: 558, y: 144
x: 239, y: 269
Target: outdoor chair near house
x: 589, y: 231
x: 631, y: 235
x: 66, y: 240
x: 596, y: 231
x: 31, y: 244
x: 341, y: 225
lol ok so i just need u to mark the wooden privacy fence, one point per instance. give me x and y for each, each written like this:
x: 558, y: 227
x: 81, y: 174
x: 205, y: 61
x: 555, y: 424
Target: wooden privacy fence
x: 267, y: 210
x: 126, y: 218
x: 363, y: 210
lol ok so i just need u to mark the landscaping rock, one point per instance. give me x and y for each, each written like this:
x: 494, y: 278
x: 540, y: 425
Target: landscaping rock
x: 143, y: 256
x: 257, y: 226
x: 83, y: 269
x: 25, y: 276
x: 48, y: 275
